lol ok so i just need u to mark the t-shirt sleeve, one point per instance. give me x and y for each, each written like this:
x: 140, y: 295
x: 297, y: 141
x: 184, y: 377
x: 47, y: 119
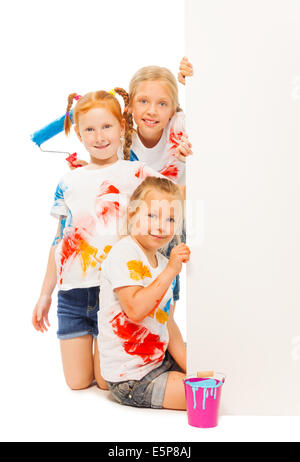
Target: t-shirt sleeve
x: 126, y: 267
x: 59, y: 207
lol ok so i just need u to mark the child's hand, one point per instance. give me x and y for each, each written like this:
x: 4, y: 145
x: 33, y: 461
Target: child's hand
x: 40, y: 313
x: 179, y: 254
x: 185, y: 70
x: 183, y: 149
x: 73, y: 162
x: 77, y: 163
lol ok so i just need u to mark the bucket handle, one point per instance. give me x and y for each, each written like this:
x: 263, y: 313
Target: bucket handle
x: 202, y: 374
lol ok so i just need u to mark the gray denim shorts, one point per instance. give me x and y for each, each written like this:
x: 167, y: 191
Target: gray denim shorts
x: 147, y: 392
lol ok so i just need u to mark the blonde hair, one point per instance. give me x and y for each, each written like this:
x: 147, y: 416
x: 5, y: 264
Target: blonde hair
x: 105, y: 100
x: 151, y: 184
x: 156, y: 73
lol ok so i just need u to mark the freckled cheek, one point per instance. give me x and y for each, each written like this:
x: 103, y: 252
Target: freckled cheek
x: 136, y: 112
x: 138, y: 119
x: 87, y: 140
x: 116, y: 139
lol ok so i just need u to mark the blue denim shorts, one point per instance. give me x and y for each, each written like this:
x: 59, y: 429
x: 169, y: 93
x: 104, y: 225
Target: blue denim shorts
x: 147, y: 392
x: 77, y: 312
x: 167, y: 252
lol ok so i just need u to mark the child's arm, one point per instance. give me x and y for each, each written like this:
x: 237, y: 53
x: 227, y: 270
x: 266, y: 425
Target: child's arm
x: 40, y: 313
x: 185, y: 70
x: 138, y: 302
x: 176, y: 345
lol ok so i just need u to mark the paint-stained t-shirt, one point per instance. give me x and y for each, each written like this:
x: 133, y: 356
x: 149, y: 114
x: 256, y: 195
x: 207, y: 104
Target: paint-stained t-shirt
x: 162, y: 156
x: 94, y: 202
x: 130, y: 350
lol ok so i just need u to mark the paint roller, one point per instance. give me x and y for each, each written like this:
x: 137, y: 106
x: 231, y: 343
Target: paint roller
x: 49, y: 131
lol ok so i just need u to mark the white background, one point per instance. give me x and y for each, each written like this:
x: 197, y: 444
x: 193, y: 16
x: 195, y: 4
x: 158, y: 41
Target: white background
x: 49, y: 50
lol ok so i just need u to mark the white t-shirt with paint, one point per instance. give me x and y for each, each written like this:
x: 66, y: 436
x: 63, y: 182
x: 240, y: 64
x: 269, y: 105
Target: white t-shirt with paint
x: 95, y: 203
x: 161, y: 157
x: 130, y: 350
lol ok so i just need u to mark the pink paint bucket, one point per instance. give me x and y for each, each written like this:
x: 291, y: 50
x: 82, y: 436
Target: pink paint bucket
x: 202, y: 400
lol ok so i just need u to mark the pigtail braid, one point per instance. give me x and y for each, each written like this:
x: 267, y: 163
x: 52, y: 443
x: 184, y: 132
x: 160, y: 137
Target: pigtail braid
x: 128, y: 122
x: 68, y: 122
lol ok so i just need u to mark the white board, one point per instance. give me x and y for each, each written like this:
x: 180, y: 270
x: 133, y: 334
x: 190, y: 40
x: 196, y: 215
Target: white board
x: 243, y: 281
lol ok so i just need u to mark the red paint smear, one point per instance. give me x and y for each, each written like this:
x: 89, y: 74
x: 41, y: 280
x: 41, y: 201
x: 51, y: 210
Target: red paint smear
x: 138, y: 339
x: 70, y: 246
x: 74, y: 244
x: 107, y: 188
x: 174, y: 138
x: 106, y: 210
x: 171, y: 171
x: 157, y: 304
x: 86, y: 222
x: 139, y: 172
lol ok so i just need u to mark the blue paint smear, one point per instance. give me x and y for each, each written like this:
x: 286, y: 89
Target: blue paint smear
x: 69, y: 219
x: 59, y: 192
x: 133, y: 156
x: 167, y: 307
x: 173, y: 283
x: 62, y: 226
x: 212, y: 384
x: 57, y: 239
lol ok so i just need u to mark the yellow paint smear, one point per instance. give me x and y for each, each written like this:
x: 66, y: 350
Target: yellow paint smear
x: 137, y: 270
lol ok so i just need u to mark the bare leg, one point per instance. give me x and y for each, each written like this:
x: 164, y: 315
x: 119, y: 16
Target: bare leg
x: 99, y: 379
x: 78, y: 362
x: 175, y: 394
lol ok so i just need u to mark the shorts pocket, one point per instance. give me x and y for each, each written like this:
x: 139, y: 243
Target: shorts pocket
x: 93, y: 300
x: 122, y: 391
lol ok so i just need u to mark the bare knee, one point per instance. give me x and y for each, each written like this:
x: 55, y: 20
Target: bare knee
x: 97, y: 369
x: 101, y: 383
x: 77, y: 358
x: 79, y: 383
x: 174, y: 393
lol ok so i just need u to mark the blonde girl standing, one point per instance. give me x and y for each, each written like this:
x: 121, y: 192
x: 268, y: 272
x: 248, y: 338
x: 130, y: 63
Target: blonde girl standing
x: 143, y: 356
x: 90, y: 204
x: 160, y: 139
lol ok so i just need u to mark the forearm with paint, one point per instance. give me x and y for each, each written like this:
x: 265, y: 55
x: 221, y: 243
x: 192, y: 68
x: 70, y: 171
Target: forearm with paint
x: 139, y: 302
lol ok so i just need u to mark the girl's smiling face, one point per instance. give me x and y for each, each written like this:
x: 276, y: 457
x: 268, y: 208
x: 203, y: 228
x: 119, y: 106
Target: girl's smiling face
x: 152, y: 109
x: 100, y: 132
x: 156, y: 220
